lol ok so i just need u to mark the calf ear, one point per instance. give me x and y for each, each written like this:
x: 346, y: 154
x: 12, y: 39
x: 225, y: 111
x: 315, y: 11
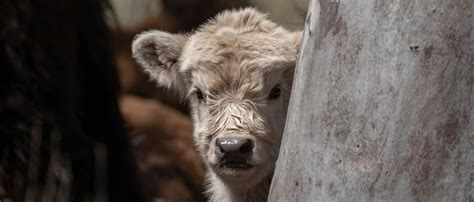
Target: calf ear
x: 158, y: 53
x: 295, y: 40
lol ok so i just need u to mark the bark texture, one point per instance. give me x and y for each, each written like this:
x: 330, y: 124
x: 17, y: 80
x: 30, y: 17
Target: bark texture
x: 382, y: 104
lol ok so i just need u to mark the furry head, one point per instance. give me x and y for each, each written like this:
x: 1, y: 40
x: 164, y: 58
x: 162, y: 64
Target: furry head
x: 237, y: 72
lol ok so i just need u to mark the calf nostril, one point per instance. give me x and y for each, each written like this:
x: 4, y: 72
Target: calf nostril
x: 219, y: 151
x: 246, y: 148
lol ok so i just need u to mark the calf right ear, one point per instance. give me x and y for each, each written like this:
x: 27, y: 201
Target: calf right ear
x: 158, y: 53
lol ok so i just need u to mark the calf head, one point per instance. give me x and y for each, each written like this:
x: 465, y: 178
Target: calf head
x: 236, y: 71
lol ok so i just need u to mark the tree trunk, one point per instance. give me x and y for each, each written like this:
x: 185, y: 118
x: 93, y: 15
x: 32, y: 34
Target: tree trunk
x: 382, y: 104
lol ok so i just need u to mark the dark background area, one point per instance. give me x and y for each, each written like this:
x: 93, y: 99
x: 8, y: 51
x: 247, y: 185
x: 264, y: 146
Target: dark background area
x: 79, y: 121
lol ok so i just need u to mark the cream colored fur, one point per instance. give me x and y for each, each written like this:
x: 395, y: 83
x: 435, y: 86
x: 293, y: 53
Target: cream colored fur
x: 235, y: 60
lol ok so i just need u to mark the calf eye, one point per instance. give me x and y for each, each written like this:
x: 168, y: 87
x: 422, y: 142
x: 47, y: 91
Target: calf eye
x: 199, y: 95
x: 275, y: 93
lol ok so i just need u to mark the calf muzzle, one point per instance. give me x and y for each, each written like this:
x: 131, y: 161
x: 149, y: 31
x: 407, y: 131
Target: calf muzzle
x: 234, y: 152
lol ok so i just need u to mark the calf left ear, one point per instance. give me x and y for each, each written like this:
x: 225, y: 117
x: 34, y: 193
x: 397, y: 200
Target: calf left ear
x: 158, y: 53
x: 295, y: 40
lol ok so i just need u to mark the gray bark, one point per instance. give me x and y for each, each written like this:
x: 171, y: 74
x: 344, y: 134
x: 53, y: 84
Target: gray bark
x: 382, y: 104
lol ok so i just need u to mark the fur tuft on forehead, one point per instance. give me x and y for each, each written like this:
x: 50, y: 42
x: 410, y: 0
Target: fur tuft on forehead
x: 245, y: 37
x: 232, y: 81
x: 238, y: 22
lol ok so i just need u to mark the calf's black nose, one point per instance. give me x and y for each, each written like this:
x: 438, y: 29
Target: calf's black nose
x: 233, y: 148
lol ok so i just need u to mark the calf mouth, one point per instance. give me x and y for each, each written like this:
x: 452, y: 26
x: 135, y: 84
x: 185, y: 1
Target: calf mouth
x: 235, y: 169
x: 236, y: 165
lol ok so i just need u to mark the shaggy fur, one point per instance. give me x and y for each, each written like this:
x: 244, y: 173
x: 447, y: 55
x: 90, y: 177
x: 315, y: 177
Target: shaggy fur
x: 235, y: 60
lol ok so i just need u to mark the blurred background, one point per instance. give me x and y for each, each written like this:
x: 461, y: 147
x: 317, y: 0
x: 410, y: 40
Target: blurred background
x: 79, y: 120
